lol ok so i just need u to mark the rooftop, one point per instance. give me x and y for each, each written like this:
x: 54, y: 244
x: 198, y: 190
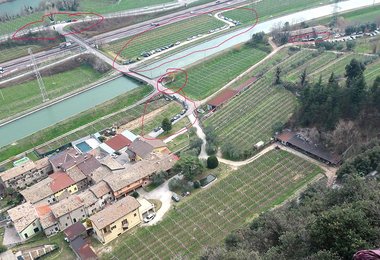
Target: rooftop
x: 88, y: 198
x: 76, y: 174
x: 141, y: 148
x: 128, y: 134
x: 140, y: 170
x: 114, y: 212
x: 60, y: 181
x: 38, y: 191
x: 222, y: 97
x: 42, y: 163
x: 66, y: 159
x: 309, y: 30
x: 66, y: 205
x: 89, y: 165
x: 100, y: 189
x: 156, y: 143
x: 22, y: 216
x: 17, y: 171
x: 100, y: 173
x: 111, y: 163
x: 118, y: 142
x: 46, y: 216
x: 82, y: 248
x: 74, y: 231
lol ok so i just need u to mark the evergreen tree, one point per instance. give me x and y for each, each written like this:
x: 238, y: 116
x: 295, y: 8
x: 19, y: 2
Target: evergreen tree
x: 166, y: 125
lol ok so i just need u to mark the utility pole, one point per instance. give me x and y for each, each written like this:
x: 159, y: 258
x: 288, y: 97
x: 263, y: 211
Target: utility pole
x: 335, y: 12
x: 38, y: 76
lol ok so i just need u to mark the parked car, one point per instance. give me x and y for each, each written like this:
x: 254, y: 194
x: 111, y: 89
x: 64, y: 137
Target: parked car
x: 175, y: 197
x: 149, y: 217
x: 157, y: 129
x: 183, y: 112
x: 1, y: 70
x: 178, y: 43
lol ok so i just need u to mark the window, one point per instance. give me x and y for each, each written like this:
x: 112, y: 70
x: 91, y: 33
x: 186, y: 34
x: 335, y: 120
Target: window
x: 56, y: 229
x: 113, y: 227
x: 26, y: 235
x: 66, y: 224
x: 75, y: 220
x: 36, y: 230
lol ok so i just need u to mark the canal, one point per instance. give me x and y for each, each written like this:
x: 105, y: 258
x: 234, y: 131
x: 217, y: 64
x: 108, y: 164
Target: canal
x: 15, y: 6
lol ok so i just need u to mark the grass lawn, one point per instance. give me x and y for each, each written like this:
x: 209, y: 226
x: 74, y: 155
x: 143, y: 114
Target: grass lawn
x: 179, y: 142
x: 19, y: 51
x: 110, y: 6
x: 362, y: 16
x: 368, y: 45
x: 81, y: 119
x: 63, y: 252
x: 168, y: 111
x: 209, y: 76
x: 2, y: 230
x: 271, y: 8
x: 18, y: 98
x: 161, y: 36
x: 207, y: 217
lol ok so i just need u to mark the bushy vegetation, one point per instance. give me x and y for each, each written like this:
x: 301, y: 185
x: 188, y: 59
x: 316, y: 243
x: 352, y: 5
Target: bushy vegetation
x: 212, y: 162
x: 323, y: 223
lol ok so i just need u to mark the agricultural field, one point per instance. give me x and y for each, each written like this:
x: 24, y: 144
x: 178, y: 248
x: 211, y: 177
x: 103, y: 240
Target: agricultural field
x: 110, y: 6
x: 369, y: 45
x: 270, y: 9
x: 161, y: 36
x: 27, y: 95
x: 209, y: 76
x: 206, y: 217
x: 116, y: 111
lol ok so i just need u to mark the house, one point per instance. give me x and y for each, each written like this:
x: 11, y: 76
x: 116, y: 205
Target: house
x: 82, y: 249
x: 103, y: 193
x: 55, y: 187
x: 143, y: 147
x: 116, y: 219
x: 89, y: 165
x: 139, y: 174
x: 90, y: 202
x: 66, y: 159
x: 309, y: 33
x: 146, y: 208
x: 78, y: 177
x: 25, y: 220
x: 99, y: 174
x: 26, y: 174
x: 74, y: 231
x: 68, y: 211
x: 48, y: 222
x: 118, y: 142
x: 300, y: 143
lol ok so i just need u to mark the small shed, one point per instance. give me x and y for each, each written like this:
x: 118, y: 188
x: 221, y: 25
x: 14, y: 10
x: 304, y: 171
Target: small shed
x: 259, y: 145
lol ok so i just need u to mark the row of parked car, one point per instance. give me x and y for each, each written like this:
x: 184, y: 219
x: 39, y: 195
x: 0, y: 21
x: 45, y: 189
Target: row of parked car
x: 176, y: 117
x: 342, y: 38
x: 235, y: 22
x: 149, y: 53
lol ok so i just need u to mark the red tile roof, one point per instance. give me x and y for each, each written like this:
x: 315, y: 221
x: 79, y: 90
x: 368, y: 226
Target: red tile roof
x: 222, y: 97
x: 285, y: 136
x: 74, y: 231
x: 60, y: 181
x: 246, y: 84
x: 118, y: 142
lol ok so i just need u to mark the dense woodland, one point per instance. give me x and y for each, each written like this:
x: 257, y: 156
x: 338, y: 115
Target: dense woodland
x: 324, y: 223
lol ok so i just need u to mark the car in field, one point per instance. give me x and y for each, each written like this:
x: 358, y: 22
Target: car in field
x: 157, y: 129
x: 175, y: 197
x: 149, y: 217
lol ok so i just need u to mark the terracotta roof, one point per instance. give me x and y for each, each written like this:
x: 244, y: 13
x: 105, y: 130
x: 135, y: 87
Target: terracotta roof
x: 118, y: 142
x: 246, y: 84
x: 17, y: 171
x: 100, y: 189
x: 222, y: 97
x: 140, y: 170
x: 38, y: 191
x: 89, y: 165
x: 309, y: 30
x: 88, y: 198
x: 82, y: 248
x: 156, y: 143
x: 114, y: 212
x: 42, y: 163
x: 66, y: 206
x: 141, y: 148
x: 100, y: 173
x: 22, y: 216
x: 285, y: 136
x: 111, y: 163
x: 46, y: 216
x: 74, y: 231
x: 60, y: 181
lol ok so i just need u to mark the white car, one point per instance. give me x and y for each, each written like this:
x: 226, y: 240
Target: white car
x: 149, y: 217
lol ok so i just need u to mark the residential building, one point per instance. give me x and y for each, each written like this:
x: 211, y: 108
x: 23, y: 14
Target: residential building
x: 146, y: 208
x: 99, y: 174
x: 55, y: 187
x: 143, y: 147
x: 74, y: 231
x: 48, y: 222
x: 66, y: 159
x: 26, y: 174
x: 116, y: 219
x: 25, y: 220
x: 90, y: 202
x: 68, y: 211
x: 118, y: 142
x: 82, y: 249
x: 78, y: 177
x: 103, y: 193
x: 138, y: 174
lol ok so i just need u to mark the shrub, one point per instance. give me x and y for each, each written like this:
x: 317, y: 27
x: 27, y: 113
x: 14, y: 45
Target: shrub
x: 3, y: 248
x: 175, y: 184
x: 212, y: 162
x: 196, y: 184
x: 135, y: 194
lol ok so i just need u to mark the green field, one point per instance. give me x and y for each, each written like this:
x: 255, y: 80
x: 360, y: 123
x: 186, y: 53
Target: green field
x: 270, y: 8
x: 110, y: 6
x: 19, y: 98
x: 20, y: 51
x: 206, y: 217
x: 161, y: 36
x: 209, y: 76
x: 93, y: 117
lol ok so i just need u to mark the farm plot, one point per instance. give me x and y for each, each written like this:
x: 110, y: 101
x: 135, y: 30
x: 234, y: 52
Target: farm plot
x: 24, y: 96
x: 249, y: 118
x: 162, y: 36
x: 269, y: 9
x: 109, y: 6
x: 372, y: 71
x: 207, y: 77
x: 208, y: 216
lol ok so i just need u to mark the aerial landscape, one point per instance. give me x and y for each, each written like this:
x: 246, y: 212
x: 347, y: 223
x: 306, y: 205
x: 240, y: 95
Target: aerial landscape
x: 190, y: 129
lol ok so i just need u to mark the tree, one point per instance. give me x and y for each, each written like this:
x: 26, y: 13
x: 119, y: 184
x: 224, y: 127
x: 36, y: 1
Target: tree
x: 158, y: 178
x: 166, y: 124
x: 189, y: 166
x: 212, y: 162
x: 354, y: 69
x: 278, y: 76
x: 303, y: 78
x: 350, y: 45
x: 135, y: 194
